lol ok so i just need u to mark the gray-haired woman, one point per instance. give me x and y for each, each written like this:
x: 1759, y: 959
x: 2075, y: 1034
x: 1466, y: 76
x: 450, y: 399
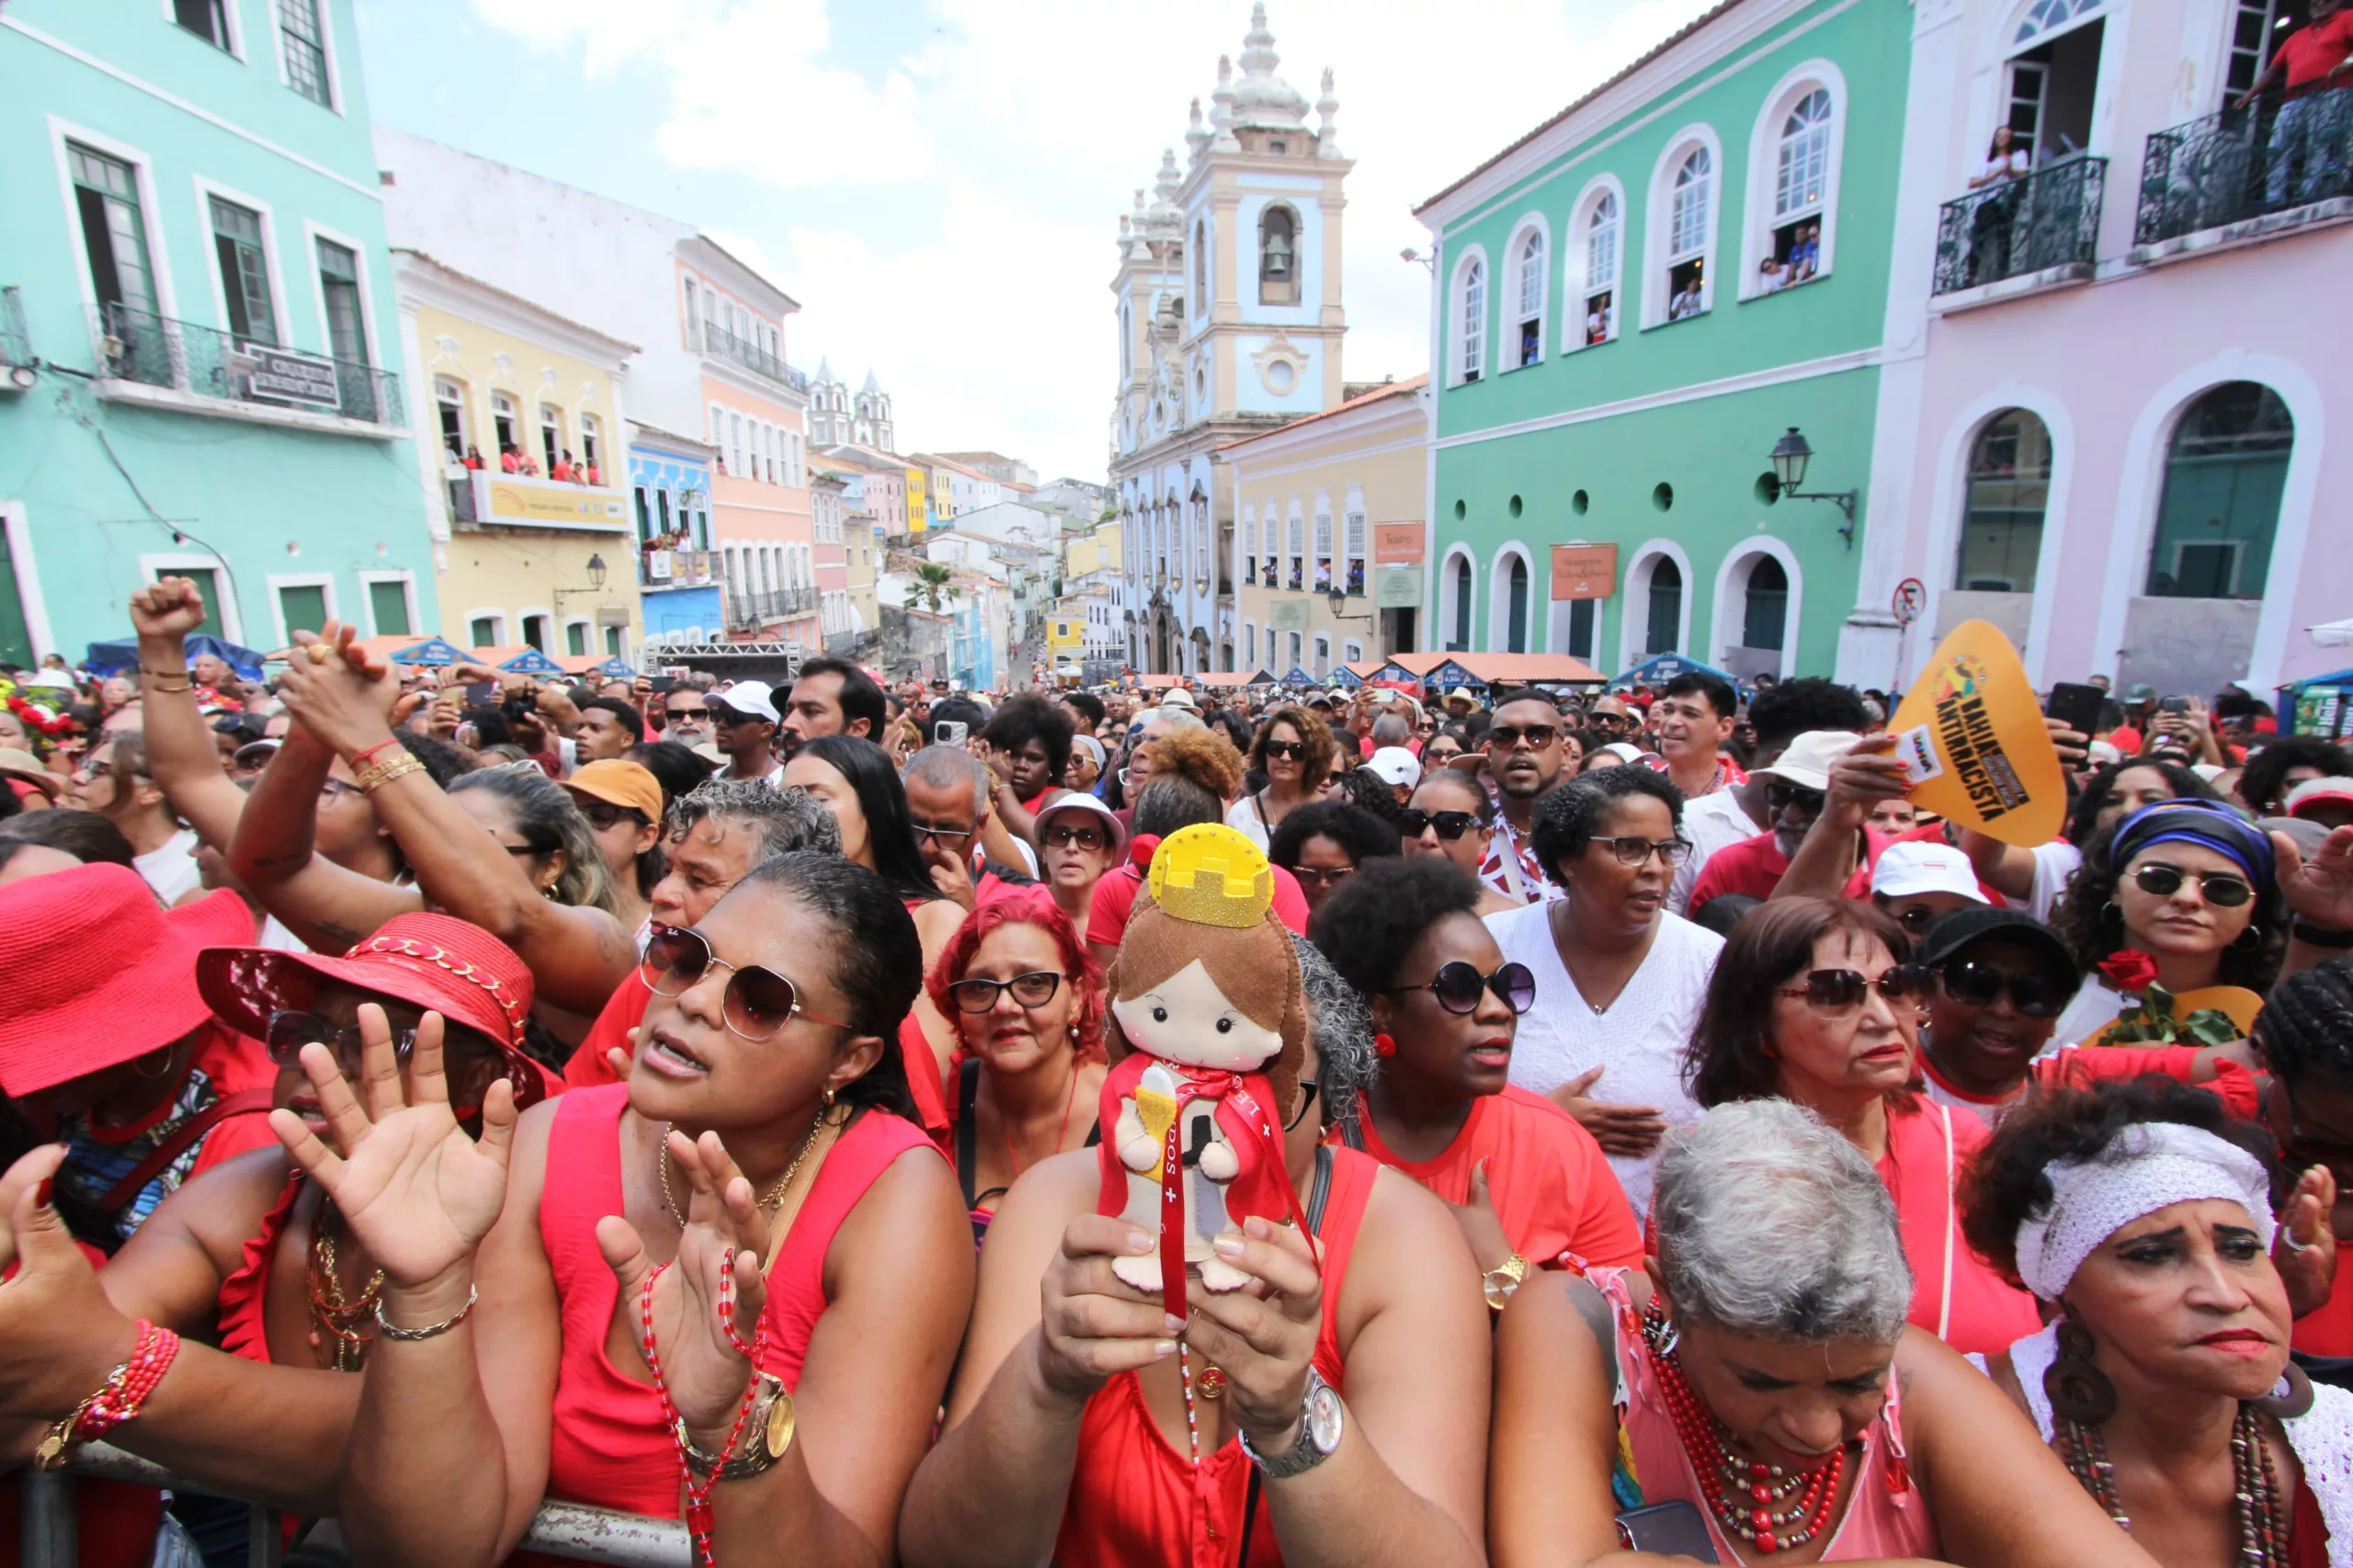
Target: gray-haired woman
x: 1772, y: 1385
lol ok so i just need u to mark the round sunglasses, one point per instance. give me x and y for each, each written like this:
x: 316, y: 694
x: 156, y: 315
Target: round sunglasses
x: 1034, y: 989
x: 1978, y: 983
x: 757, y: 1003
x: 1457, y: 985
x: 289, y: 1031
x: 1842, y: 989
x: 1450, y: 825
x: 2221, y: 888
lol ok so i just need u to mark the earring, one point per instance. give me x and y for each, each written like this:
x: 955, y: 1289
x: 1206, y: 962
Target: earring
x: 2247, y: 940
x: 2112, y: 910
x: 2289, y: 1397
x: 2078, y: 1390
x: 166, y: 1055
x: 1384, y: 1045
x: 829, y: 1096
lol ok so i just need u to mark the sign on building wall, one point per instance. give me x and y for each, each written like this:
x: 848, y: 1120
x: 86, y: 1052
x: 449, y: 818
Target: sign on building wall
x: 1287, y: 615
x: 1396, y: 587
x: 280, y: 375
x: 1584, y: 570
x: 1397, y: 544
x: 553, y: 504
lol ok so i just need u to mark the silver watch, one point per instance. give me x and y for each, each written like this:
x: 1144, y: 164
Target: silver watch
x: 1321, y: 1418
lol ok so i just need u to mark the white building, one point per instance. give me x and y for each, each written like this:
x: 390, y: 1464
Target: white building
x: 837, y: 418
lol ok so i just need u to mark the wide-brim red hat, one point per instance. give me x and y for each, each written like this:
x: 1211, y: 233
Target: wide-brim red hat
x: 98, y: 973
x: 434, y: 962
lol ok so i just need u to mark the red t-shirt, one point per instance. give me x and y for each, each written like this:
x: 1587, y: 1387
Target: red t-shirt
x: 1115, y: 895
x: 1552, y: 1188
x: 2311, y: 52
x: 1754, y: 867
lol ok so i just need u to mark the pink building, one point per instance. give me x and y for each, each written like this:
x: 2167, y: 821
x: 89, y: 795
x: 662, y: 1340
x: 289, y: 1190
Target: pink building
x: 2110, y: 435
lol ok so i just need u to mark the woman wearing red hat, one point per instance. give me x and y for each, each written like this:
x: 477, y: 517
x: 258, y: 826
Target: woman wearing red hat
x: 730, y: 1289
x: 251, y: 1255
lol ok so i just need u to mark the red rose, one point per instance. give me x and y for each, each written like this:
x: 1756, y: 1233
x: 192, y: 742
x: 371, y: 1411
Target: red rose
x: 2129, y: 969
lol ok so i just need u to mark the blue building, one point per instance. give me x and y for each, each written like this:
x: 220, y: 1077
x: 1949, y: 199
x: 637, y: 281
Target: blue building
x: 198, y: 307
x: 678, y: 572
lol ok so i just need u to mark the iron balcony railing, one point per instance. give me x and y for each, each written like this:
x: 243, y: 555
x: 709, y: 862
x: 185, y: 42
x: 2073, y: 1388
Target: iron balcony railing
x: 140, y: 345
x: 2238, y: 163
x: 16, y: 343
x: 2017, y: 227
x: 720, y: 342
x: 750, y: 607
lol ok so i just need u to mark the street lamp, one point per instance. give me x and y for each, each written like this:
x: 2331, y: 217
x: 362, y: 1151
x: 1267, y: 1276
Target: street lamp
x: 596, y: 581
x: 1428, y: 263
x: 1791, y: 455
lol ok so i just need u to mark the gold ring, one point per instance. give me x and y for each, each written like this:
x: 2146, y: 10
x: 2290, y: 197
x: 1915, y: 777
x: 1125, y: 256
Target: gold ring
x: 318, y: 652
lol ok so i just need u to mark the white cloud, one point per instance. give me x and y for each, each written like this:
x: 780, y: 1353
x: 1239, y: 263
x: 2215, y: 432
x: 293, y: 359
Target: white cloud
x: 947, y: 216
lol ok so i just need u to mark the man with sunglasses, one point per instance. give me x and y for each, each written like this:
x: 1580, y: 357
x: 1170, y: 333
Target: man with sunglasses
x: 1797, y: 787
x: 744, y: 720
x: 950, y: 806
x: 1741, y: 812
x: 1525, y: 758
x: 685, y: 717
x: 2001, y: 979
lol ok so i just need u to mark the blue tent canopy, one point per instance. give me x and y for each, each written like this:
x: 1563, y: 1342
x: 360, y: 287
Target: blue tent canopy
x: 1451, y: 675
x: 611, y: 667
x: 1298, y: 676
x: 1343, y: 677
x: 531, y: 661
x: 1661, y: 668
x: 118, y: 658
x: 431, y: 651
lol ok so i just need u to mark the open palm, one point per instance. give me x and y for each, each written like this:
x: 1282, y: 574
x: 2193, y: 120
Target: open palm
x: 418, y: 1193
x: 2319, y: 889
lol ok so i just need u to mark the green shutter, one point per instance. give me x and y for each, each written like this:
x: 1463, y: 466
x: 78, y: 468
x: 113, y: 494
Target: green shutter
x: 304, y: 609
x: 388, y: 603
x: 575, y: 638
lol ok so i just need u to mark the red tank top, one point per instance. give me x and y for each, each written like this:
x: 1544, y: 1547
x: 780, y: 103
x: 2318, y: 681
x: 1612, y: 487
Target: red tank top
x: 607, y: 1446
x: 1133, y: 1499
x: 243, y: 1332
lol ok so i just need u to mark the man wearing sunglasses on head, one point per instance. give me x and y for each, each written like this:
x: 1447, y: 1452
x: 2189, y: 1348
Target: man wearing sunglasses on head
x: 1524, y: 757
x: 2001, y: 979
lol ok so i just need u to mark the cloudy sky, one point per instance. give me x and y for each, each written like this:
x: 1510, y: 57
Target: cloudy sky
x: 939, y: 182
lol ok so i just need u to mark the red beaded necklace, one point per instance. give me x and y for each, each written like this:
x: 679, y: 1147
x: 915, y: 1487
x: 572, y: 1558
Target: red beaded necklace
x: 1760, y: 1503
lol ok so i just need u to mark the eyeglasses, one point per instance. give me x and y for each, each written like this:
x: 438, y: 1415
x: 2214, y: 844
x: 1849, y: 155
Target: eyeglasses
x: 95, y: 769
x: 1842, y: 989
x: 289, y: 1032
x: 1450, y: 825
x: 1063, y: 835
x: 757, y: 1001
x: 1634, y: 849
x: 1977, y: 984
x: 603, y: 814
x: 2219, y: 889
x: 682, y: 715
x: 1431, y: 754
x: 332, y: 792
x: 1779, y: 797
x: 1603, y: 720
x: 1286, y: 750
x: 953, y: 837
x: 1322, y: 877
x: 1034, y: 989
x: 1458, y: 986
x: 1509, y: 735
x: 1306, y: 1098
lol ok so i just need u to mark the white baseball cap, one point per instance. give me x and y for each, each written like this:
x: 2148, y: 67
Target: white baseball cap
x: 746, y: 697
x: 1807, y: 761
x: 2318, y: 791
x: 1396, y: 766
x: 1916, y: 866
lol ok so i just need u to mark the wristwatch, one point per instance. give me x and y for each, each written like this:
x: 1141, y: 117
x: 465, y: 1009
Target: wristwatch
x: 1501, y: 1282
x: 767, y: 1433
x: 1321, y: 1418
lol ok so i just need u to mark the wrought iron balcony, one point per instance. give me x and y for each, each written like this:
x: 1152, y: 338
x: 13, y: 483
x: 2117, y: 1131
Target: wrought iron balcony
x: 2240, y: 163
x: 156, y: 351
x: 721, y: 343
x: 16, y: 343
x: 672, y: 567
x: 2015, y: 228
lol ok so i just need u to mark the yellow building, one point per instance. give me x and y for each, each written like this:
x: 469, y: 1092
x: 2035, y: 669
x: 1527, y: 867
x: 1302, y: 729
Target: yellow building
x: 541, y: 556
x: 1328, y: 512
x: 918, y: 507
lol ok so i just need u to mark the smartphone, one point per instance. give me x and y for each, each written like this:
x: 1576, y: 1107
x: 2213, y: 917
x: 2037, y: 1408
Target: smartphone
x: 663, y: 686
x: 2173, y: 705
x: 2076, y: 706
x: 483, y: 694
x: 950, y: 731
x: 1670, y: 1529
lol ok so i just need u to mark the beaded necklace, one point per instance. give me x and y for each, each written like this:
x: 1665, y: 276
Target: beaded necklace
x: 2263, y: 1522
x: 1763, y: 1504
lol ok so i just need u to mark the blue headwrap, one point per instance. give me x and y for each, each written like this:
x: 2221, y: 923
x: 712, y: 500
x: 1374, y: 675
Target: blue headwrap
x: 2206, y: 824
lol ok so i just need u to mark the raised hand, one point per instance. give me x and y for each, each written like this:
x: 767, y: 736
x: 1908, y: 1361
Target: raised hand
x: 59, y: 1335
x: 418, y: 1193
x: 31, y: 1170
x: 724, y: 1232
x: 2305, y: 1250
x: 338, y: 697
x: 168, y: 609
x: 1264, y: 1335
x: 2319, y: 889
x: 1090, y: 1326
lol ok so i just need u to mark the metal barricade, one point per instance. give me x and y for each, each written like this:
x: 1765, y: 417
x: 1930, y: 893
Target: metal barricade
x: 559, y: 1529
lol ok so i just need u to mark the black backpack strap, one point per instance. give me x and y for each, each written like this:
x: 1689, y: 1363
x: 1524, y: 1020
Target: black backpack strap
x: 967, y: 1093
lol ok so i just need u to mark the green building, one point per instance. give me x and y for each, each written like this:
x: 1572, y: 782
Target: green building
x: 1634, y: 304
x: 197, y: 328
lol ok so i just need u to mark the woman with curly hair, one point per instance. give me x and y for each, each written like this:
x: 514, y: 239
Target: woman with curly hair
x: 2034, y: 878
x: 2145, y: 1216
x: 1325, y: 843
x: 2182, y: 895
x: 1199, y: 753
x: 1294, y: 750
x: 1028, y: 1004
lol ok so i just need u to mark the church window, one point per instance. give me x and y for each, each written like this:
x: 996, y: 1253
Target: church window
x: 1277, y: 257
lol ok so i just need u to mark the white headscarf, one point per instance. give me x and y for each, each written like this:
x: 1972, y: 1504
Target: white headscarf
x: 2150, y: 1166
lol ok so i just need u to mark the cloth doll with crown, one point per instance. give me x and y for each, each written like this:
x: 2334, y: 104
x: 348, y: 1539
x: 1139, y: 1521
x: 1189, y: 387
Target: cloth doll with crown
x: 1208, y: 1030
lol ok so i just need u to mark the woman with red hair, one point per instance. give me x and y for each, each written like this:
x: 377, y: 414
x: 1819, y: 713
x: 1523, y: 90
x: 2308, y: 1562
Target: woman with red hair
x: 1028, y: 1003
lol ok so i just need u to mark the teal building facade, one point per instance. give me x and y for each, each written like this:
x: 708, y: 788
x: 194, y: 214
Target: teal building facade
x: 1633, y: 307
x: 198, y: 337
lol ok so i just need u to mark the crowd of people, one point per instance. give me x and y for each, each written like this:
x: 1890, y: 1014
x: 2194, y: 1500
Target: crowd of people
x: 430, y: 1094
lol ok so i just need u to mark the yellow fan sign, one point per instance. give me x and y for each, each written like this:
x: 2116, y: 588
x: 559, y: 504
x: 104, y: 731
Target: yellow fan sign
x: 1973, y: 742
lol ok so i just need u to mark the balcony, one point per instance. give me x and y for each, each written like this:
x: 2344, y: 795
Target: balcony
x: 479, y: 497
x: 152, y: 360
x: 16, y: 343
x: 2042, y: 226
x: 747, y: 609
x: 721, y: 343
x: 2245, y: 173
x: 670, y: 568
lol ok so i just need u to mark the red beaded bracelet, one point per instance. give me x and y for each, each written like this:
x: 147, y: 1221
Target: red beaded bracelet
x: 360, y: 759
x: 118, y: 1400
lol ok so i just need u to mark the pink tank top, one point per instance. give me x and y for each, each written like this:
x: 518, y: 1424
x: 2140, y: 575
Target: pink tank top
x: 1886, y: 1515
x: 608, y: 1447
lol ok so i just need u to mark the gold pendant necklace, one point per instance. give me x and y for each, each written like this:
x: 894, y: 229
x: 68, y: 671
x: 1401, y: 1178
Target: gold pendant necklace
x: 768, y: 1200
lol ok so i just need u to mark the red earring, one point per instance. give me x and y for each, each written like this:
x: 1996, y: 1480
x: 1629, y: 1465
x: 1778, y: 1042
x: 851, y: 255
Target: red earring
x: 1384, y: 1045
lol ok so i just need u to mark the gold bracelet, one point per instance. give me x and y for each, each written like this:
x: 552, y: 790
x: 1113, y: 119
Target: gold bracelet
x: 376, y: 775
x: 159, y: 677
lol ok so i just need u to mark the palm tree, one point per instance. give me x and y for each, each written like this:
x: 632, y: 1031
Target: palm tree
x: 933, y: 581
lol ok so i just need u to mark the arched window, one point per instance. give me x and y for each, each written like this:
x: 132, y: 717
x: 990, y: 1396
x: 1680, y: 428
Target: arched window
x: 1277, y: 257
x: 456, y: 429
x: 1201, y: 266
x: 1805, y: 157
x: 1471, y: 321
x: 1530, y: 313
x: 1601, y: 270
x: 1458, y: 639
x: 1516, y: 623
x: 2001, y: 520
x: 1665, y: 625
x: 1764, y: 608
x: 2225, y: 473
x: 1688, y: 235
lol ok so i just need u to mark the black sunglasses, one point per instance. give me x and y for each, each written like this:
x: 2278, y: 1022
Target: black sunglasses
x: 289, y: 1031
x: 1779, y: 796
x: 1286, y: 749
x: 953, y: 837
x: 1413, y: 822
x: 680, y: 715
x: 1842, y: 989
x: 1979, y: 984
x: 1508, y: 736
x: 1062, y: 834
x: 1457, y: 986
x: 1034, y: 989
x: 2221, y: 888
x: 603, y: 814
x: 757, y: 1001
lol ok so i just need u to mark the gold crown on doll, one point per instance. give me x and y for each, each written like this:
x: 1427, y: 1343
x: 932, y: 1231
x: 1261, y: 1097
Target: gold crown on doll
x: 1210, y: 875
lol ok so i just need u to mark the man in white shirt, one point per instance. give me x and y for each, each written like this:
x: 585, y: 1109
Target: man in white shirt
x: 1718, y: 821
